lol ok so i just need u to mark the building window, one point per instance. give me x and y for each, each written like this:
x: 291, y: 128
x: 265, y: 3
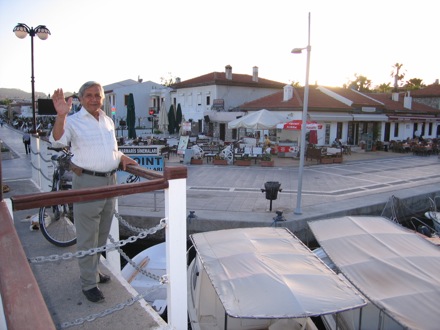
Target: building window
x: 208, y: 100
x: 327, y: 134
x: 339, y: 130
x: 396, y: 129
x: 430, y: 129
x: 125, y: 99
x: 199, y: 99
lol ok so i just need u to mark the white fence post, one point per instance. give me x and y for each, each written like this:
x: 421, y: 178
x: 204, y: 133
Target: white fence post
x: 176, y: 236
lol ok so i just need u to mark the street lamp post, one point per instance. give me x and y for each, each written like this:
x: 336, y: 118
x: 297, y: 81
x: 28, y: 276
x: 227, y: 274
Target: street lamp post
x: 21, y: 31
x: 303, y: 124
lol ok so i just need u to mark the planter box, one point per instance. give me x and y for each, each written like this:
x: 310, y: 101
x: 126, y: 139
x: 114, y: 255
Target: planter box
x: 267, y: 163
x: 326, y: 160
x: 337, y: 160
x: 242, y: 162
x: 196, y: 161
x: 220, y: 162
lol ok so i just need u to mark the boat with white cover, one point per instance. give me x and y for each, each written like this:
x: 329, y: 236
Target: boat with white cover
x: 395, y: 268
x: 261, y: 278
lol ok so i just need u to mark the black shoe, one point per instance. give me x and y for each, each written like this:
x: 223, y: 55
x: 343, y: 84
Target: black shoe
x: 94, y: 295
x: 103, y: 278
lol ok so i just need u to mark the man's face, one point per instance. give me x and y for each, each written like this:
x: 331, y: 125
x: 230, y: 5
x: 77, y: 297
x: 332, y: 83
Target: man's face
x: 92, y: 99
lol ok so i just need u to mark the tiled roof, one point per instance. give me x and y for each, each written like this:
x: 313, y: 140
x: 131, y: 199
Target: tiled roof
x: 358, y: 99
x: 335, y: 99
x: 429, y: 91
x: 318, y: 101
x: 219, y: 78
x: 398, y: 106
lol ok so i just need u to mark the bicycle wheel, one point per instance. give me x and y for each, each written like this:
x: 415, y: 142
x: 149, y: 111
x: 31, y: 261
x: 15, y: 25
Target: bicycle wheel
x: 57, y: 225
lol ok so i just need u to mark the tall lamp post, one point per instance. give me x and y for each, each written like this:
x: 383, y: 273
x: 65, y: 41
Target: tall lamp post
x: 21, y: 31
x: 304, y: 123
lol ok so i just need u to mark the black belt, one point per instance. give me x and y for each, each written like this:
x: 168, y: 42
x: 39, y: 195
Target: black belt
x: 103, y: 174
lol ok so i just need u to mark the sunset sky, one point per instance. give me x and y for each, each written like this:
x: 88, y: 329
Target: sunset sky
x: 109, y: 41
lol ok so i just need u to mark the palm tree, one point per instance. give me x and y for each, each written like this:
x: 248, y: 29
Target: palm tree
x: 397, y: 75
x: 384, y: 88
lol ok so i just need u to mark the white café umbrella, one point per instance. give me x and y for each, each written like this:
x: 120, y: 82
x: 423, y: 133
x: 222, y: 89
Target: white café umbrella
x: 163, y: 118
x: 263, y: 119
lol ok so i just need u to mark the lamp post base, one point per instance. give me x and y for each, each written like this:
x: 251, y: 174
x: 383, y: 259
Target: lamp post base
x: 297, y: 211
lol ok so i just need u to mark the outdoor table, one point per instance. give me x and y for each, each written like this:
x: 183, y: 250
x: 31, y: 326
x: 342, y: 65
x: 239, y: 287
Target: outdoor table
x: 209, y: 157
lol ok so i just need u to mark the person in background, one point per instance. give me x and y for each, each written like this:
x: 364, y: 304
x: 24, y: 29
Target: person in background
x: 27, y: 142
x: 337, y: 143
x: 267, y: 142
x: 90, y: 133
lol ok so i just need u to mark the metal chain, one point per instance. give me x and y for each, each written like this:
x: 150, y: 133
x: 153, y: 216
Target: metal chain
x: 160, y: 279
x: 108, y: 311
x: 123, y: 222
x: 105, y: 248
x: 142, y: 233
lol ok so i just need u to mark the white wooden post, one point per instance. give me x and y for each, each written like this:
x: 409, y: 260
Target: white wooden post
x: 176, y: 236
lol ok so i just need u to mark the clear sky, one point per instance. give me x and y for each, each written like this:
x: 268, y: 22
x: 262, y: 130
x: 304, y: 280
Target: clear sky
x: 109, y: 40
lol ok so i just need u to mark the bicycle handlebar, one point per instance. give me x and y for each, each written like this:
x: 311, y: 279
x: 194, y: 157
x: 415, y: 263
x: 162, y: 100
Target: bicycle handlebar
x: 65, y: 150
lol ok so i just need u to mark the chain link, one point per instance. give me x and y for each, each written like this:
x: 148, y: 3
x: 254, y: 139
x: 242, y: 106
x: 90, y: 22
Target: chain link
x: 115, y: 245
x: 106, y: 248
x: 105, y: 312
x: 160, y: 279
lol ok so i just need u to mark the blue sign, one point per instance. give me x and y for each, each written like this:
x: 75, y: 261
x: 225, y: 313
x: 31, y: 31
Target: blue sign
x: 155, y: 163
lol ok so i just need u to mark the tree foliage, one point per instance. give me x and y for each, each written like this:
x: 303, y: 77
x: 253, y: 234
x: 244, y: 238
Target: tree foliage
x: 5, y: 102
x: 413, y: 84
x: 360, y: 83
x: 171, y: 120
x: 167, y: 81
x: 384, y: 88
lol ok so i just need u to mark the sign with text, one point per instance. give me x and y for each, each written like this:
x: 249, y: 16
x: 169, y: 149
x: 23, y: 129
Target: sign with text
x: 148, y: 157
x: 183, y: 144
x: 218, y: 104
x: 140, y: 150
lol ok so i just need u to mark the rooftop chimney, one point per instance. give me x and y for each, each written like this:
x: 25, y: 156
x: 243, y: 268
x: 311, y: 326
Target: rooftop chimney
x: 228, y: 72
x: 139, y: 79
x: 288, y: 92
x: 395, y: 97
x: 255, y: 73
x: 177, y: 80
x: 407, y: 101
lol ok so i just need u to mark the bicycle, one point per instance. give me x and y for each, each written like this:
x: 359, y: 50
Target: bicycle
x: 56, y: 222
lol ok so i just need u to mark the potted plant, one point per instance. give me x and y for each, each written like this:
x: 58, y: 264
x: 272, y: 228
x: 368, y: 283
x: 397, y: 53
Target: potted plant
x: 219, y: 159
x: 243, y: 161
x: 266, y: 160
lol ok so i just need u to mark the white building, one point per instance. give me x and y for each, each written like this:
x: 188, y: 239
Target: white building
x: 208, y: 100
x: 147, y: 95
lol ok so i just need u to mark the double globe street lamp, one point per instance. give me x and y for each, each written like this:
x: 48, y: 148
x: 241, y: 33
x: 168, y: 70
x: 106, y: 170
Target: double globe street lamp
x: 21, y: 31
x: 304, y: 123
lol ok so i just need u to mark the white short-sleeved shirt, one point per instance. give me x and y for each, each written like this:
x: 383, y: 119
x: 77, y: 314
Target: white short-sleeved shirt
x: 92, y: 142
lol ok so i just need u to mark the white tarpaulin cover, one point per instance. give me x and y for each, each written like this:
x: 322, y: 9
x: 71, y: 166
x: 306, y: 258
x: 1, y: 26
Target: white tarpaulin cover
x: 396, y: 269
x: 263, y: 119
x: 269, y: 273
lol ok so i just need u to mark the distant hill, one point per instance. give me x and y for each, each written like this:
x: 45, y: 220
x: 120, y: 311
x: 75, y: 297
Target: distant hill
x: 15, y: 93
